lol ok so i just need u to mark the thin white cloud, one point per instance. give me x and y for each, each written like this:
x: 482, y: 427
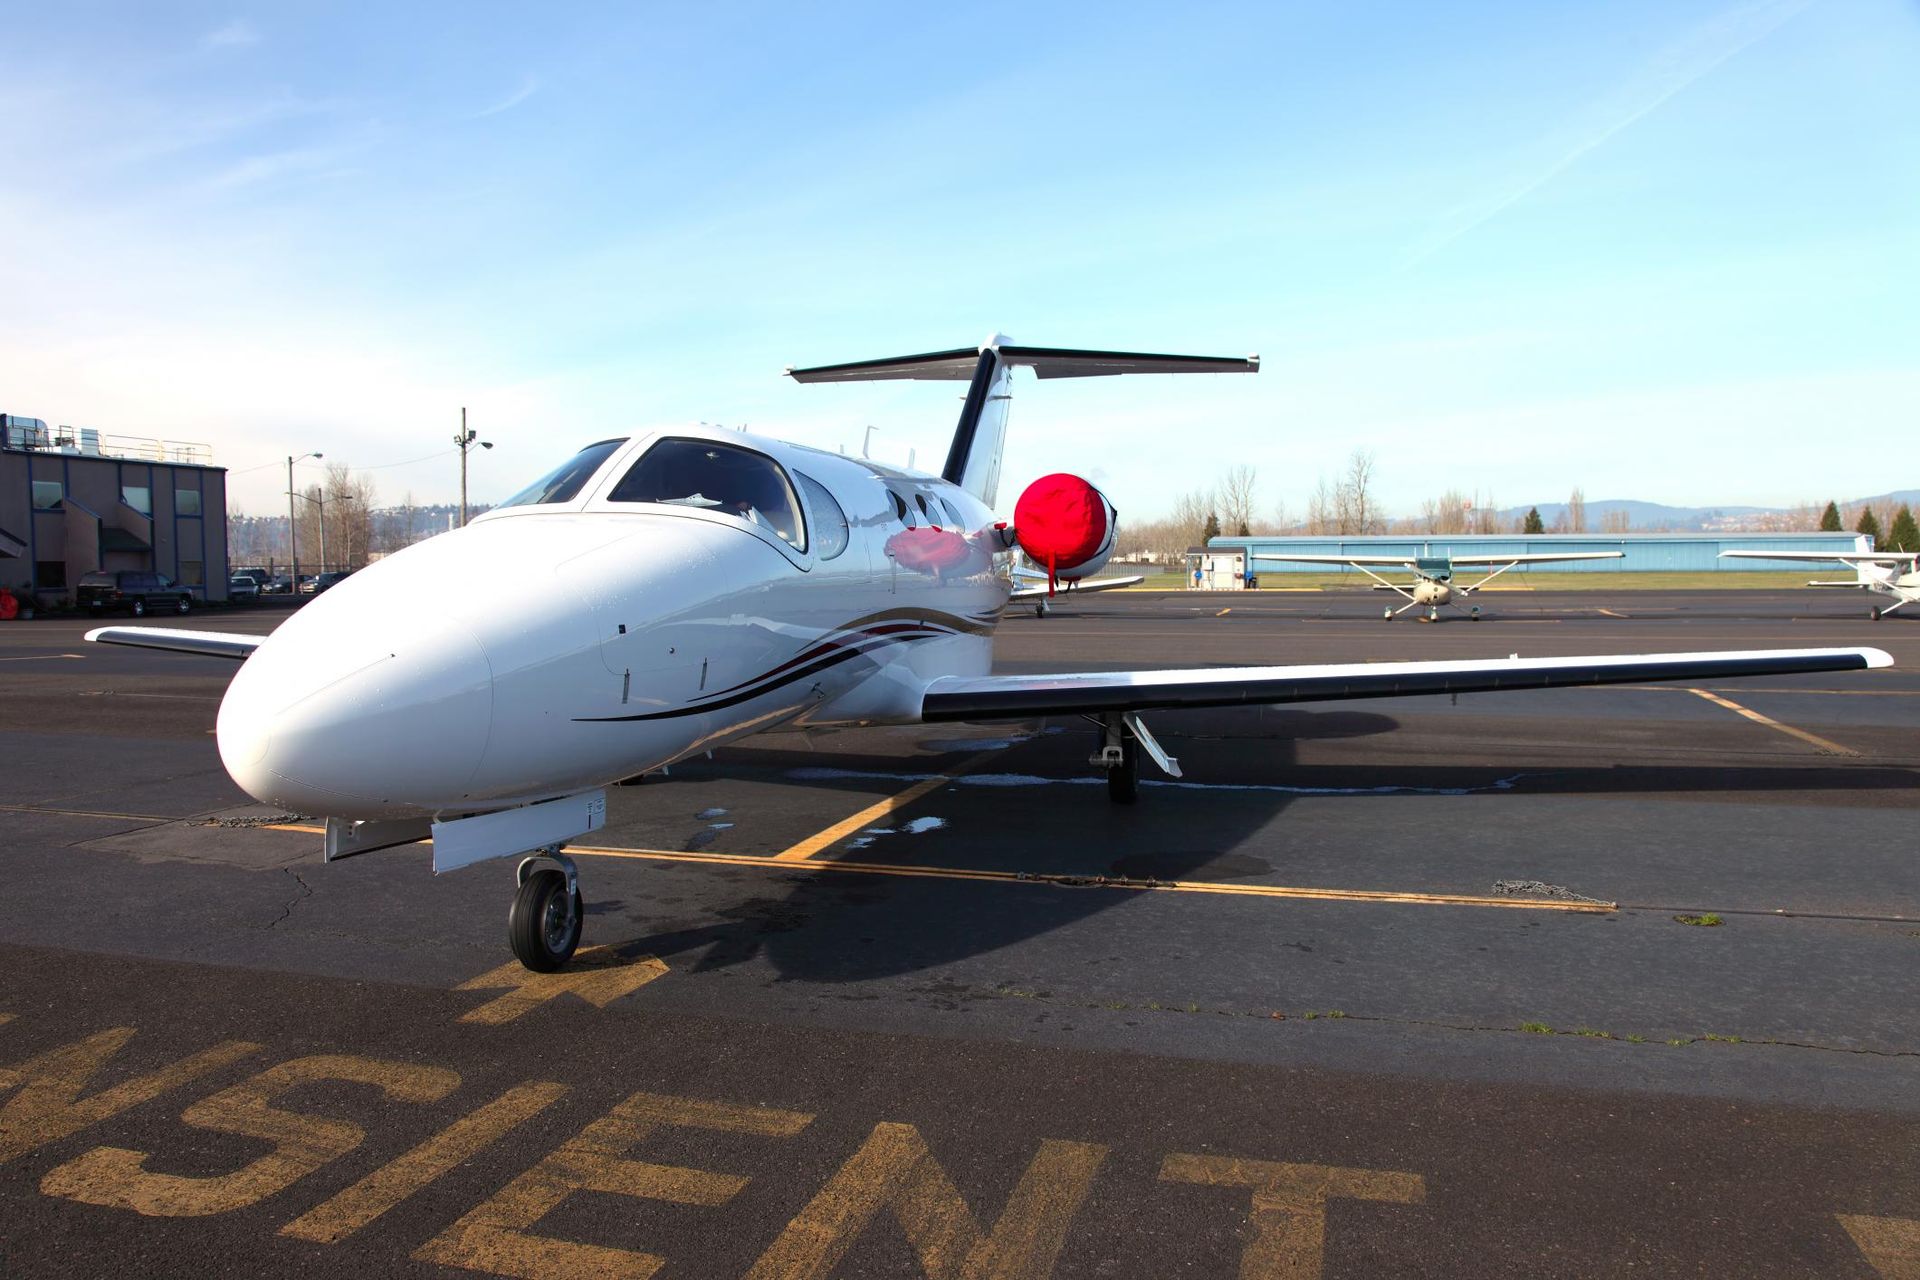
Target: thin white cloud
x: 1700, y: 53
x: 528, y: 87
x: 234, y: 35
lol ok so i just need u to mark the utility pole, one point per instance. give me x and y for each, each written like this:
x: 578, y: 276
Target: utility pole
x: 466, y: 440
x: 293, y: 537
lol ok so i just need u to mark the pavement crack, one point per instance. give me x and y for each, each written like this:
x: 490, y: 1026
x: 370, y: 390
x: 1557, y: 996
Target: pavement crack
x: 305, y: 892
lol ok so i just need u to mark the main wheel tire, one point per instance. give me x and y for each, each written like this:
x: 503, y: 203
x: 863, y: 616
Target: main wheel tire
x: 1123, y: 780
x: 1388, y: 615
x: 138, y: 609
x: 1874, y: 613
x: 544, y: 926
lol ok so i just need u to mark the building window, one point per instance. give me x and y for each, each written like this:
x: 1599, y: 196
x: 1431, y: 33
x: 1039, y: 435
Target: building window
x: 192, y: 574
x: 46, y: 495
x: 139, y: 497
x: 50, y: 575
x: 186, y: 502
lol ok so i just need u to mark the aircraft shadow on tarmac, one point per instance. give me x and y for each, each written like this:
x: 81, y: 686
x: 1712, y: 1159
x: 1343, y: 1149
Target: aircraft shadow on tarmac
x: 823, y: 928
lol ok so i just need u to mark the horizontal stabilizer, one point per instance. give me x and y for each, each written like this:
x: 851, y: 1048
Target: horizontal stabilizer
x: 1079, y: 587
x: 960, y: 364
x: 208, y: 644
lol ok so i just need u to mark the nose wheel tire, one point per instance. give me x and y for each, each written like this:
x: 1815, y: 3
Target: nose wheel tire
x: 544, y: 925
x: 1387, y: 613
x: 1474, y: 613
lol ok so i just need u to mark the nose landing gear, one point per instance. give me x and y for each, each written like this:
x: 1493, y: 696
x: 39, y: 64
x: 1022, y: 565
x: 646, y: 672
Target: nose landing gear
x: 544, y: 925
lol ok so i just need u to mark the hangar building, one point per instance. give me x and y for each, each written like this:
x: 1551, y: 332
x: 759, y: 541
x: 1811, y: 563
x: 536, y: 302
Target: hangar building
x: 72, y: 502
x: 1644, y: 552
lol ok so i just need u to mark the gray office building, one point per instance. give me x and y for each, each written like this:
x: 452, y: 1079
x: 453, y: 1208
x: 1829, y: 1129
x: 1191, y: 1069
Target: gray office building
x: 72, y: 502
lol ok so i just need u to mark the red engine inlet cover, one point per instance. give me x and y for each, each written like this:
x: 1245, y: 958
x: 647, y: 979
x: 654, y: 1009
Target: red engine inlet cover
x: 1065, y: 525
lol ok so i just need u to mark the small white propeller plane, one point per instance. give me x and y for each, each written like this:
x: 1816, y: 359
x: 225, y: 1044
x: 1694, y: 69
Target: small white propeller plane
x: 697, y: 585
x: 1433, y: 582
x: 1886, y: 573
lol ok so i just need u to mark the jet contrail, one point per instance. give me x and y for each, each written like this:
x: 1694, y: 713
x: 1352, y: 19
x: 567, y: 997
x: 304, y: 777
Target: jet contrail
x: 1674, y: 69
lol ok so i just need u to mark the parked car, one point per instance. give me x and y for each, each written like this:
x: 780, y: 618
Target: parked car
x: 280, y: 585
x: 320, y: 582
x: 260, y: 577
x: 242, y: 589
x: 137, y: 592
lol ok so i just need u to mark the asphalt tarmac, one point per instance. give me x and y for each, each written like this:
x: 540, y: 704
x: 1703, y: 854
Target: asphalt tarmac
x: 1394, y: 987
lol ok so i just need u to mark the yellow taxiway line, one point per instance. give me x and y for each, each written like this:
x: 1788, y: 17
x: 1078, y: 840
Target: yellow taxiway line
x: 1107, y: 882
x: 1814, y: 739
x: 1061, y: 880
x: 819, y: 840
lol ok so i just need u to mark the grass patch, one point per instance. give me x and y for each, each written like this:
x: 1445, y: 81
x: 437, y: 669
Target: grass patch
x: 1706, y: 921
x: 1678, y: 1042
x: 1591, y: 1034
x: 1536, y: 1028
x: 1721, y: 1039
x: 1636, y: 1039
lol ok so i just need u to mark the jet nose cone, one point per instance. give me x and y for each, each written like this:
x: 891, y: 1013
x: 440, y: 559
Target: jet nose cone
x: 331, y: 720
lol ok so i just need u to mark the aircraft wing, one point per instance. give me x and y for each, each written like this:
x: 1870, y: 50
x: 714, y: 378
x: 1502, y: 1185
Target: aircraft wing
x: 211, y: 644
x: 1391, y: 561
x: 1538, y: 557
x: 1018, y: 696
x: 1075, y: 588
x: 1827, y: 557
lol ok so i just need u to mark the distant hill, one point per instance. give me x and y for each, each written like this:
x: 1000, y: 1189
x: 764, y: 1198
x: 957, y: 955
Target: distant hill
x: 1654, y: 515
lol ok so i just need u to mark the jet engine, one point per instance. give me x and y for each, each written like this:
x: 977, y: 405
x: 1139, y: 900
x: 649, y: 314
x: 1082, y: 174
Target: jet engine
x: 1065, y: 526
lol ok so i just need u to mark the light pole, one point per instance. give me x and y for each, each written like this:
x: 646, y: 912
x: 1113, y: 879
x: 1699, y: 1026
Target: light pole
x: 293, y: 538
x: 466, y: 440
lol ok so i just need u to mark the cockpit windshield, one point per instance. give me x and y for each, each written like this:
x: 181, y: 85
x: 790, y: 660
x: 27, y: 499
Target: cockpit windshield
x: 1438, y: 568
x: 564, y: 482
x: 716, y: 477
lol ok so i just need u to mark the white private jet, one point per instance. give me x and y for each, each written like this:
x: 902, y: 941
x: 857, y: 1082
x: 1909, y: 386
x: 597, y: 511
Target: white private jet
x: 1886, y: 573
x: 1433, y: 583
x: 698, y: 585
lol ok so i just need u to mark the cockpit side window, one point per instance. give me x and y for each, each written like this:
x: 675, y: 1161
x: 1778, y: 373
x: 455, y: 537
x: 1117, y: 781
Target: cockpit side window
x: 901, y: 511
x: 564, y: 482
x: 828, y: 519
x: 709, y: 476
x: 958, y: 524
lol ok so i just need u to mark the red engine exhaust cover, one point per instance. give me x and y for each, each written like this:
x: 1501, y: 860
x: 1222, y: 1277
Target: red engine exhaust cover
x: 1066, y: 525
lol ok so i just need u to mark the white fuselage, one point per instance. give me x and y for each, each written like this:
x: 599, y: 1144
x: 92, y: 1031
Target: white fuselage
x: 547, y: 649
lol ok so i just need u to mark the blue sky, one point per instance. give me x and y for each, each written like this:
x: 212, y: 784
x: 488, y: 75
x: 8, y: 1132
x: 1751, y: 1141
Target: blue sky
x: 1667, y: 251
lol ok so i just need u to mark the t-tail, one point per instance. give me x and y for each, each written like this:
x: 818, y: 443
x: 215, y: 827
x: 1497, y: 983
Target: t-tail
x: 973, y: 459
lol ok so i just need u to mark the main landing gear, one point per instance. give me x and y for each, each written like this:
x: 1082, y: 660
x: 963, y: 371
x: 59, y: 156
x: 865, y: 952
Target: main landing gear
x: 1122, y: 740
x: 544, y: 925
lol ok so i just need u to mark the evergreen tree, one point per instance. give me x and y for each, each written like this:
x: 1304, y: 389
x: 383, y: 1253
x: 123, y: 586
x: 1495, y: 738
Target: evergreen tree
x: 1534, y: 523
x: 1830, y: 518
x: 1243, y: 531
x: 1903, y: 534
x: 1212, y: 530
x: 1869, y: 525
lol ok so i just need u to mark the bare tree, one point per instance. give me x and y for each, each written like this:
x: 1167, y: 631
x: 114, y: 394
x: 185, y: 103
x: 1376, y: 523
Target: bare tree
x: 1355, y: 508
x: 1321, y: 517
x: 1616, y: 521
x: 1576, y: 512
x: 1235, y: 500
